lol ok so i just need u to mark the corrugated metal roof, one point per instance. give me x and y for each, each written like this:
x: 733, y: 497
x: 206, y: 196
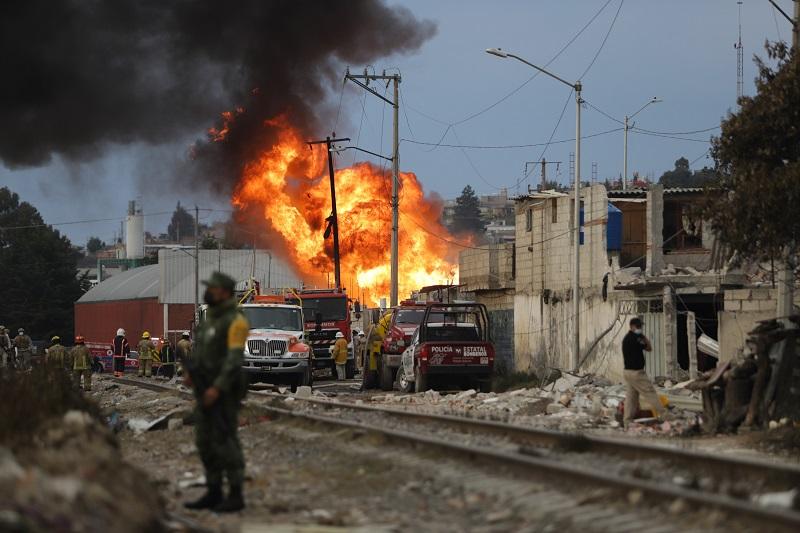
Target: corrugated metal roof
x: 177, y: 271
x: 643, y: 192
x: 133, y: 284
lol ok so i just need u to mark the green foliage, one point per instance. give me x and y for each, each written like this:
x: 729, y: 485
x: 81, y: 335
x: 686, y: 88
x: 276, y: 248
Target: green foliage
x: 38, y: 269
x: 467, y: 215
x: 754, y: 206
x: 209, y: 242
x: 682, y: 175
x: 181, y: 225
x: 94, y: 244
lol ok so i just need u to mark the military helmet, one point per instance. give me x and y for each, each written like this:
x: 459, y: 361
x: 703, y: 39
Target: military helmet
x: 223, y: 281
x: 146, y: 335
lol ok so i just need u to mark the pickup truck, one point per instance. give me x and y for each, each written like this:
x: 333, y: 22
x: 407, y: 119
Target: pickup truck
x: 451, y: 346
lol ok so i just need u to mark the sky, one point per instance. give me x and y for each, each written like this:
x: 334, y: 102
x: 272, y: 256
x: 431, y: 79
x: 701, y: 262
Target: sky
x: 681, y: 51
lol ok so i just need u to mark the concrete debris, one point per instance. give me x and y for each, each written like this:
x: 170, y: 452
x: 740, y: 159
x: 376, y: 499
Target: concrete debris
x: 303, y: 392
x: 789, y: 499
x: 192, y: 481
x: 140, y: 425
x: 571, y: 403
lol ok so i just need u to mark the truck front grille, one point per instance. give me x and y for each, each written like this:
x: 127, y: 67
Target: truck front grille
x: 273, y: 348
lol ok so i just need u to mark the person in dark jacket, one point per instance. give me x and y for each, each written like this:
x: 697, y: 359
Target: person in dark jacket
x: 637, y: 383
x: 120, y: 349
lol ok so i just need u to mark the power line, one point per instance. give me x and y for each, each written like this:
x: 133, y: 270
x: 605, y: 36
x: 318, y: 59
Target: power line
x: 704, y: 130
x: 552, y: 133
x: 511, y: 146
x: 602, y: 112
x: 643, y: 132
x: 602, y: 45
x: 87, y: 221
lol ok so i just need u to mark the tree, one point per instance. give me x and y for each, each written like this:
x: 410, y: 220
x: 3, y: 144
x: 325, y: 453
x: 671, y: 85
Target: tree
x: 38, y: 267
x: 757, y: 155
x: 467, y: 213
x: 682, y: 175
x: 209, y: 242
x: 94, y: 245
x: 181, y: 225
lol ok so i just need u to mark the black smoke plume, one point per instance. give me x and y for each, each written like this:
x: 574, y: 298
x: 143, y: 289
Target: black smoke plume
x: 81, y: 75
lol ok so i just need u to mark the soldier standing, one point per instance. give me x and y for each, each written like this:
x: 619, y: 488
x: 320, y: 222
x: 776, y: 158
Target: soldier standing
x: 24, y: 346
x: 57, y: 354
x: 215, y: 373
x: 82, y: 363
x: 146, y: 350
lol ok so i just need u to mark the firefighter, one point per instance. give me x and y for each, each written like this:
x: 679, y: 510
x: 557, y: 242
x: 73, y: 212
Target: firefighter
x: 215, y: 373
x: 369, y: 375
x: 5, y: 347
x: 120, y: 350
x: 359, y: 342
x: 57, y: 354
x: 184, y: 348
x: 146, y: 354
x: 24, y: 346
x: 339, y: 355
x: 81, y: 363
x: 167, y: 356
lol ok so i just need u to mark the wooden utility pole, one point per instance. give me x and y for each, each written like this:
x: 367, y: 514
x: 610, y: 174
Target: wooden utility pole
x: 395, y: 103
x: 334, y: 219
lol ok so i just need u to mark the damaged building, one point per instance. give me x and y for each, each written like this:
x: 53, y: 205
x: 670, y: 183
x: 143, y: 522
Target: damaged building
x: 643, y: 253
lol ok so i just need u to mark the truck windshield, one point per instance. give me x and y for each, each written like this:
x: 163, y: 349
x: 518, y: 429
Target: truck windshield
x: 332, y: 309
x: 283, y: 318
x: 410, y: 316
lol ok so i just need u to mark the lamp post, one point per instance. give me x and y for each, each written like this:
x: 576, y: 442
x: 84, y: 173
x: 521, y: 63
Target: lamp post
x: 627, y: 126
x: 577, y: 87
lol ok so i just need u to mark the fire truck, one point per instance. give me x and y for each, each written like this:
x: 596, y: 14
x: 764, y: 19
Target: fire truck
x: 326, y: 313
x: 405, y: 320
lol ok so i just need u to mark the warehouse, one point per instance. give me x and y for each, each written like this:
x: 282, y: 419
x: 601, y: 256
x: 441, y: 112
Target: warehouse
x: 160, y: 298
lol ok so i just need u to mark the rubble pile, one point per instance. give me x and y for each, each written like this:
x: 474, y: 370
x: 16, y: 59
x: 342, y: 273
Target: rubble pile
x: 570, y: 403
x: 61, y: 468
x: 760, y: 387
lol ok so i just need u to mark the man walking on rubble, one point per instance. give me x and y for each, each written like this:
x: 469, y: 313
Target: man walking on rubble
x: 57, y: 355
x: 146, y: 353
x: 637, y: 383
x: 82, y: 363
x: 215, y: 372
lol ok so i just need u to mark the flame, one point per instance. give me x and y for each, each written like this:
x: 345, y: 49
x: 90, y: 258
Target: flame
x: 288, y: 183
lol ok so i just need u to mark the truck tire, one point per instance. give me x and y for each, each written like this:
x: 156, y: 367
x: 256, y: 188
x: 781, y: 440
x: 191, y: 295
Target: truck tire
x: 350, y: 369
x: 484, y: 385
x: 386, y: 377
x: 420, y: 381
x: 403, y: 385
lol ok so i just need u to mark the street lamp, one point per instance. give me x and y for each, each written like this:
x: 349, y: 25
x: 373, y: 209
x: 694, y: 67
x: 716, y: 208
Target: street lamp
x: 577, y: 87
x: 653, y: 100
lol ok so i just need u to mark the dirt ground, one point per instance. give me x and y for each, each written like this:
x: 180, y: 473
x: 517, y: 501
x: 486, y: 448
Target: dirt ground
x: 303, y: 479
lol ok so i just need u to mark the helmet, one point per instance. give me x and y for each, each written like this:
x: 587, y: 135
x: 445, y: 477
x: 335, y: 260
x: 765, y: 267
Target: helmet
x: 185, y: 334
x: 360, y: 333
x: 339, y: 335
x: 79, y: 339
x: 121, y: 332
x: 20, y: 331
x: 146, y: 335
x: 55, y: 339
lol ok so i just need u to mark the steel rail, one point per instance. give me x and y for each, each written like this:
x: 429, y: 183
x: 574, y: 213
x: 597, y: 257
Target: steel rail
x: 561, y: 470
x: 557, y: 468
x: 788, y: 475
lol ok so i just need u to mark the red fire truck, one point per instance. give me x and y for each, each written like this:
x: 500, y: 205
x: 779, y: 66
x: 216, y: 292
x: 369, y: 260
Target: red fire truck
x: 326, y: 313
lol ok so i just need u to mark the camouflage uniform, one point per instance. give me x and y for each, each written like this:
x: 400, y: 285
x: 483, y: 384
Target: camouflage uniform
x: 146, y: 350
x: 82, y: 365
x: 24, y: 346
x: 217, y: 360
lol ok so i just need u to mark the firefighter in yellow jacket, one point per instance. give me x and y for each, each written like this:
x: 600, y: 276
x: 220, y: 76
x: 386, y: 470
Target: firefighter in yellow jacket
x: 81, y: 363
x: 146, y: 354
x: 375, y: 338
x: 57, y: 354
x: 339, y: 355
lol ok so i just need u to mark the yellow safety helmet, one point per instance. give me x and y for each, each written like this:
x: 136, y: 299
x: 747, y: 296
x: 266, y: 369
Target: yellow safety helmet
x: 55, y: 339
x: 146, y: 335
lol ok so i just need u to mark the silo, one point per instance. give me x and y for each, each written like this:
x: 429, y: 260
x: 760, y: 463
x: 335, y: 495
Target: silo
x: 134, y: 232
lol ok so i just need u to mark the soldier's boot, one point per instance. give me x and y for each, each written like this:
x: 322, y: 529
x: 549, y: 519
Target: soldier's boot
x: 212, y: 498
x: 234, y: 502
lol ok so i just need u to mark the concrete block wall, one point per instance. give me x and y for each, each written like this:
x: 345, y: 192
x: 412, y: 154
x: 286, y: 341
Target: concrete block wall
x: 486, y: 268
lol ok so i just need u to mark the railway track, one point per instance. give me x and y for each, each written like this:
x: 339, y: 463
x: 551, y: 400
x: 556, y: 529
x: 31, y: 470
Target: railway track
x: 707, y: 482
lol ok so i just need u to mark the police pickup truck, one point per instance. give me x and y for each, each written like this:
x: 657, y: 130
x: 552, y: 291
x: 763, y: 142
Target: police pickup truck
x: 451, y: 347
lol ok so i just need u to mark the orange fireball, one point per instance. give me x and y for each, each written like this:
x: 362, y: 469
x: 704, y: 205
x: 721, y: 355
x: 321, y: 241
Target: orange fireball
x: 288, y: 183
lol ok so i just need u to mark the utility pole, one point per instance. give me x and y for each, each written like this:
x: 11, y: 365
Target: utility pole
x: 625, y: 157
x: 395, y: 103
x: 196, y: 265
x: 544, y: 170
x: 334, y: 219
x: 576, y: 273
